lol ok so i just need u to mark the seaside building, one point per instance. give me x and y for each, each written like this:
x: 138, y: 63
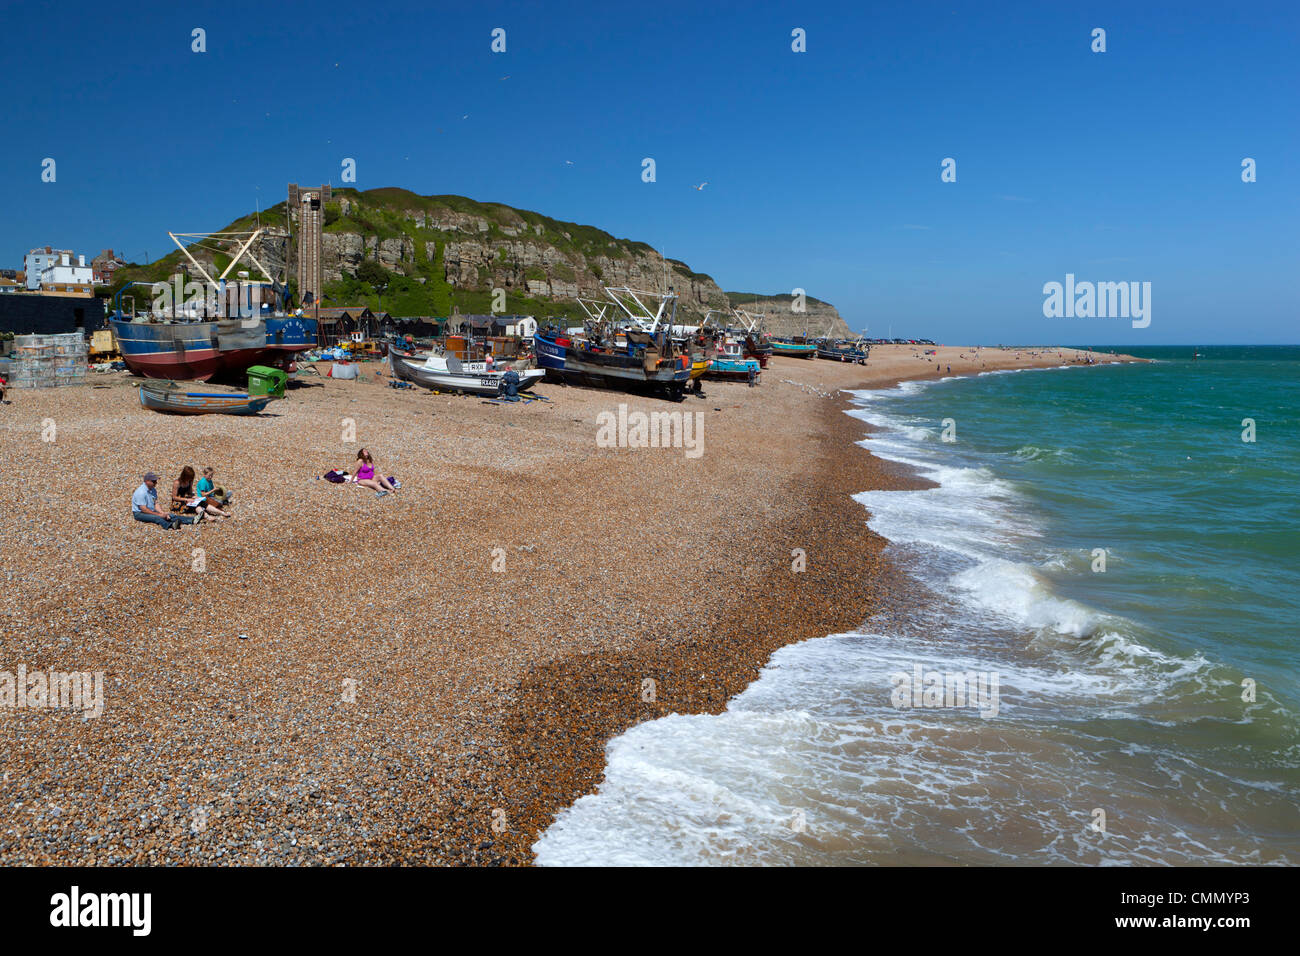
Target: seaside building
x: 417, y: 326
x: 11, y: 280
x: 65, y: 277
x: 34, y: 264
x: 481, y: 326
x: 308, y: 207
x: 350, y: 322
x: 104, y: 265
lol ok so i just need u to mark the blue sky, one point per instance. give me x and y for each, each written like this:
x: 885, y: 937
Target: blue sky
x: 823, y: 167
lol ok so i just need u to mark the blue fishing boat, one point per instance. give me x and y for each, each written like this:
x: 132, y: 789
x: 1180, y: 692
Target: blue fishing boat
x: 731, y: 363
x: 639, y: 365
x: 197, y: 340
x: 626, y: 345
x: 216, y: 349
x: 793, y: 349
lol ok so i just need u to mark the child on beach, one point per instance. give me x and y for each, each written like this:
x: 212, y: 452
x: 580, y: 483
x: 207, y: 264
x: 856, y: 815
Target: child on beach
x: 209, y: 489
x: 186, y: 501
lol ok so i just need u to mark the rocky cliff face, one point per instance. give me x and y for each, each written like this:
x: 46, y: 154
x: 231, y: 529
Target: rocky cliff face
x: 453, y: 250
x: 501, y: 249
x: 817, y: 318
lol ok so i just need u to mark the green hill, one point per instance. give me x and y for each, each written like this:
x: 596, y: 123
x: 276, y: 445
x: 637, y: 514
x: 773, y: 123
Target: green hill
x: 430, y: 255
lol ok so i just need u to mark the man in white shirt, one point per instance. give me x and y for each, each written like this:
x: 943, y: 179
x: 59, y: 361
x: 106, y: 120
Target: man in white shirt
x: 144, y: 504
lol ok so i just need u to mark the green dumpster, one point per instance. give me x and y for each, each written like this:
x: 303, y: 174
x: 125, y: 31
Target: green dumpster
x: 263, y: 380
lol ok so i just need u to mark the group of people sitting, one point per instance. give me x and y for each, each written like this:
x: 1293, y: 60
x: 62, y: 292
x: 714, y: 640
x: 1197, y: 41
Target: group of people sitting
x: 366, y: 476
x: 191, y: 502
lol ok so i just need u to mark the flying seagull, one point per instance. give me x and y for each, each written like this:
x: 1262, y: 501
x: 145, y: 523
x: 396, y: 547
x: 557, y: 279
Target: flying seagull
x: 506, y: 77
x: 568, y: 162
x: 700, y: 186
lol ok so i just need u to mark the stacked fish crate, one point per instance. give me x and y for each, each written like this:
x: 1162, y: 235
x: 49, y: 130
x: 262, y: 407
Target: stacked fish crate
x: 44, y: 361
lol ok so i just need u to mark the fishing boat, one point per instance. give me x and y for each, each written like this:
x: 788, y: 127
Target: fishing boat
x: 630, y: 349
x: 205, y: 350
x: 731, y: 363
x: 175, y: 398
x: 189, y: 343
x: 843, y: 352
x: 748, y: 328
x: 449, y: 374
x: 793, y: 349
x: 639, y: 365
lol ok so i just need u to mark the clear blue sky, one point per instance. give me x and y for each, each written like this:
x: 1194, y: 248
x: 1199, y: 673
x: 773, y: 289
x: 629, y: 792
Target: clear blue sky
x: 823, y: 167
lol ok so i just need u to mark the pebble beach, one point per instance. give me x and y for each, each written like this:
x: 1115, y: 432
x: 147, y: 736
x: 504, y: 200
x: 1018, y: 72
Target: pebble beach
x: 427, y: 678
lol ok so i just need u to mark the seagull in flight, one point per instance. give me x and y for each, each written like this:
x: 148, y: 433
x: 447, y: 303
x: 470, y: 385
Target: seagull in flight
x: 568, y: 162
x: 700, y: 186
x: 506, y: 77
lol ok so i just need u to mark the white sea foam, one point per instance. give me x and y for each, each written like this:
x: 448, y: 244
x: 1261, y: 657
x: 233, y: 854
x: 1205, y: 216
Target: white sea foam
x: 813, y: 763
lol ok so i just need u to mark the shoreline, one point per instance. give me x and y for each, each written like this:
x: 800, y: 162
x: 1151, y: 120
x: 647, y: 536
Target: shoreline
x: 484, y: 700
x: 859, y: 580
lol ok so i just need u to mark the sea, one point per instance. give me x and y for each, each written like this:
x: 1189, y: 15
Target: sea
x: 1101, y: 666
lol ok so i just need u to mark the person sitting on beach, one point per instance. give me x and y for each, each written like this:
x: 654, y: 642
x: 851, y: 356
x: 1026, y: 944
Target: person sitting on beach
x: 188, y: 503
x: 210, y: 490
x: 366, y: 475
x: 144, y: 504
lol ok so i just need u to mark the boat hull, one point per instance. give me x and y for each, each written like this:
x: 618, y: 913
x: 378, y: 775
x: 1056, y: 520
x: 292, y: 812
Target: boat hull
x: 733, y: 369
x: 192, y: 350
x: 794, y: 351
x: 473, y: 383
x: 836, y: 355
x: 609, y: 369
x: 178, y: 402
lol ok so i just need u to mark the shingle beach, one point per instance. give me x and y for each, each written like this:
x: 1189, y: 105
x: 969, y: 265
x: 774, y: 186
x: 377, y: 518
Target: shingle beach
x: 426, y: 678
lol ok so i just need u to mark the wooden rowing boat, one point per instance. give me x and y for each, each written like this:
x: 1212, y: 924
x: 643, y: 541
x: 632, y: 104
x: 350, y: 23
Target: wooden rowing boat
x: 172, y: 397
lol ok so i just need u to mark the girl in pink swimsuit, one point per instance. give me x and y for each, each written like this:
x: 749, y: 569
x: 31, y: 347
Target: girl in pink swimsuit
x: 366, y: 475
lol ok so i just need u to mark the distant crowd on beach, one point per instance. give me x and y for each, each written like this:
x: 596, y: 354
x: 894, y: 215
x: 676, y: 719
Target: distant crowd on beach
x: 1020, y: 355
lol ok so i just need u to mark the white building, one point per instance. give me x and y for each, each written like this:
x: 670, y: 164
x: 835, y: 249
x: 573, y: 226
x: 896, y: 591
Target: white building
x: 35, y: 262
x: 525, y: 327
x: 66, y: 276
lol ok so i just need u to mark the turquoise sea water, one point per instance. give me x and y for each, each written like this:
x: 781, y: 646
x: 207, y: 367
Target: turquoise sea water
x: 1146, y: 713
